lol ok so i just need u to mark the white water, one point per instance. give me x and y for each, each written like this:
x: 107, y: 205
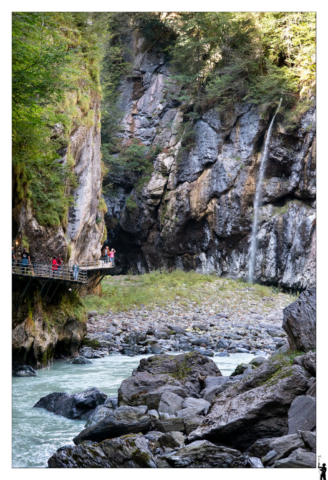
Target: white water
x: 257, y: 200
x: 37, y: 433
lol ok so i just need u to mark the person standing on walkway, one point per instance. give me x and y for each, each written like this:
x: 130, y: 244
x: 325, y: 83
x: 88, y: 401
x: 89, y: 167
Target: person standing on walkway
x: 25, y: 261
x: 111, y: 256
x: 13, y: 258
x: 76, y: 269
x: 59, y: 264
x: 54, y: 266
x: 105, y: 254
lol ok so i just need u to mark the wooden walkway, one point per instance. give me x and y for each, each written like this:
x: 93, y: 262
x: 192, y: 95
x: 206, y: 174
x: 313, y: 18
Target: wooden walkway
x: 85, y: 274
x: 88, y: 272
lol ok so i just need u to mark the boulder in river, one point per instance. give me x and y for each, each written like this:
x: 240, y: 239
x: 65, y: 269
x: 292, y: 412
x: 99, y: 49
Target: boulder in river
x: 300, y: 321
x: 80, y: 361
x: 74, y: 406
x: 122, y: 421
x: 24, y: 371
x: 182, y: 375
x: 129, y: 451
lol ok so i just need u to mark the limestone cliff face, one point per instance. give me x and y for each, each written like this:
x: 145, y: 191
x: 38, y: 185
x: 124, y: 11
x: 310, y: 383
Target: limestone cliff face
x: 80, y: 236
x: 36, y: 339
x: 195, y: 212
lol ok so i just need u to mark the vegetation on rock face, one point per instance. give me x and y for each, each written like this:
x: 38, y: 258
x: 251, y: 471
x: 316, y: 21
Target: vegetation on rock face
x: 56, y: 59
x: 218, y: 59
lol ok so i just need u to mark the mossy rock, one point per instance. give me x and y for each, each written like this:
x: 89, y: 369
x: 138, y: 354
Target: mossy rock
x: 239, y: 370
x: 90, y: 343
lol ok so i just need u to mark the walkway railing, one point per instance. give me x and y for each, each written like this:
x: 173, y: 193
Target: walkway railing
x: 93, y: 264
x: 65, y: 272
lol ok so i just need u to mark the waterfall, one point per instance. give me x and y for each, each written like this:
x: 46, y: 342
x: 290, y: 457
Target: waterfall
x: 257, y: 199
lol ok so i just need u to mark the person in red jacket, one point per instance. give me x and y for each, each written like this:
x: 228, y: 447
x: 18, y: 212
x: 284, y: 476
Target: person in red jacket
x: 54, y: 266
x: 59, y: 264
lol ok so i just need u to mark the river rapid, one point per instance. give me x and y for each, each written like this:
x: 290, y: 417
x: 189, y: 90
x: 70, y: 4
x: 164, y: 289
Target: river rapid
x: 37, y: 433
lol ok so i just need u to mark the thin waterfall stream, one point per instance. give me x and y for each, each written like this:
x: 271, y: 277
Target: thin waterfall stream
x: 257, y: 199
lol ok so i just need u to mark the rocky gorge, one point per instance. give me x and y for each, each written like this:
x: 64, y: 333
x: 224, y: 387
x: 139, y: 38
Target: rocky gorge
x: 194, y: 210
x: 180, y: 411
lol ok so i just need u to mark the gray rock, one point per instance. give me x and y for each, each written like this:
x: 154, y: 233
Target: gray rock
x: 257, y: 361
x: 179, y: 374
x: 243, y: 414
x: 122, y: 421
x: 153, y: 414
x: 302, y: 414
x: 308, y: 361
x: 111, y: 402
x: 177, y: 329
x: 240, y: 369
x: 255, y: 462
x: 300, y: 321
x: 92, y: 313
x: 309, y: 439
x: 210, y: 393
x: 100, y: 413
x: 153, y: 437
x: 198, y: 403
x: 170, y: 403
x: 269, y: 458
x: 222, y: 354
x: 221, y: 343
x: 191, y: 423
x: 203, y: 454
x: 130, y: 451
x: 174, y: 424
x: 285, y: 445
x: 24, y: 371
x: 80, y: 361
x: 172, y: 440
x: 312, y: 391
x: 298, y: 459
x: 72, y: 406
x: 260, y: 448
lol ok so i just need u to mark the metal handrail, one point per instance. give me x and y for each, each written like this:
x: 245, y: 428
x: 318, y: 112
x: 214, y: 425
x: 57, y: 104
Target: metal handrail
x: 64, y: 272
x: 89, y: 264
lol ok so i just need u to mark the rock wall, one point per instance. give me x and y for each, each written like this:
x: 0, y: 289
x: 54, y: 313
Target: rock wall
x: 79, y: 237
x: 35, y: 340
x: 42, y: 331
x: 195, y: 212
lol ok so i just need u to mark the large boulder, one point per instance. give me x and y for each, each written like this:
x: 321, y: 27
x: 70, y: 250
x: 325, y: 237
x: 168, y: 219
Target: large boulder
x: 300, y: 321
x: 73, y: 406
x: 182, y: 375
x: 302, y: 414
x: 122, y: 421
x: 130, y: 451
x: 203, y: 454
x: 300, y: 458
x: 240, y: 416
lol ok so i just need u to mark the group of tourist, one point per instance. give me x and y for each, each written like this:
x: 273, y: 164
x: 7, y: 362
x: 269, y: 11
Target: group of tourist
x: 57, y: 261
x: 56, y: 265
x: 108, y: 255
